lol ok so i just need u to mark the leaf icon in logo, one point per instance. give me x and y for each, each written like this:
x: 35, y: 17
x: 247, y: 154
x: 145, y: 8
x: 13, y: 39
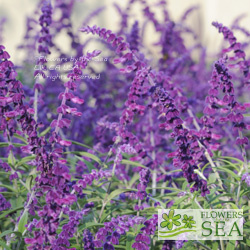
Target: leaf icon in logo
x: 188, y: 221
x: 170, y: 220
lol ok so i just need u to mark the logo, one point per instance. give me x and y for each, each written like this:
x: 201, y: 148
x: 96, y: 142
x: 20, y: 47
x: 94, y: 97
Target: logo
x: 200, y: 224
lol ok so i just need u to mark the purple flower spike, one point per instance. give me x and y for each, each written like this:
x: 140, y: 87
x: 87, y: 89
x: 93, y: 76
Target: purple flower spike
x: 88, y: 240
x: 4, y: 205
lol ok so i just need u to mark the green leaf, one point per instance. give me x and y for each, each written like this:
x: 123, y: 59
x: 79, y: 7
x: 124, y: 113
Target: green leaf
x: 133, y: 180
x: 220, y: 195
x: 46, y: 131
x: 23, y: 221
x: 28, y: 182
x: 17, y: 202
x: 119, y: 247
x: 180, y: 200
x: 167, y: 188
x: 232, y: 158
x: 10, y: 232
x: 6, y: 144
x: 4, y: 245
x: 11, y: 159
x: 233, y: 165
x: 75, y: 245
x: 132, y: 163
x: 119, y: 191
x: 80, y: 144
x: 93, y: 224
x: 228, y: 202
x: 94, y: 199
x: 212, y: 178
x: 215, y: 245
x: 89, y: 225
x: 26, y: 159
x: 166, y: 196
x: 208, y: 164
x: 129, y: 241
x: 229, y: 172
x: 89, y: 164
x: 10, y: 211
x: 5, y: 233
x: 9, y: 187
x: 20, y: 138
x: 100, y: 192
x: 85, y: 154
x: 231, y: 245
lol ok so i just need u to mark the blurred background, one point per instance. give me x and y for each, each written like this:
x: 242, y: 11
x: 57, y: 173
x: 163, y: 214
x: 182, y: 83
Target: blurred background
x: 13, y: 15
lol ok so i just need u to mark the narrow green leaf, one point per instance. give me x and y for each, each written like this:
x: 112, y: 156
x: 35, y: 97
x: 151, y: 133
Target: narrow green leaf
x: 220, y: 195
x: 26, y: 159
x: 28, y: 182
x: 119, y: 191
x: 22, y: 222
x: 94, y: 199
x: 4, y: 245
x: 89, y: 225
x: 119, y: 247
x: 229, y: 172
x: 92, y: 224
x: 80, y: 144
x: 5, y: 233
x: 85, y: 154
x: 46, y: 131
x: 20, y: 138
x: 132, y: 163
x: 212, y: 178
x: 89, y: 164
x: 10, y: 211
x: 232, y: 158
x: 180, y: 200
x: 9, y: 187
x: 233, y: 165
x: 129, y: 241
x: 6, y: 144
x: 215, y: 245
x: 11, y: 159
x: 133, y: 180
x: 167, y: 188
x: 231, y: 245
x: 166, y: 196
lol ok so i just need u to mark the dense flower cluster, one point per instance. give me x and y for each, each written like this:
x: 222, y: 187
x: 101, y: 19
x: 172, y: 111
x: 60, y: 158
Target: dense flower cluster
x: 88, y: 240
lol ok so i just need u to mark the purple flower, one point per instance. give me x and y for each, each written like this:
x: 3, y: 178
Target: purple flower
x: 133, y: 37
x: 246, y: 178
x: 88, y: 240
x: 4, y: 204
x: 108, y: 246
x: 45, y: 21
x: 168, y: 245
x: 13, y: 176
x: 179, y: 244
x: 5, y: 166
x: 141, y: 242
x: 144, y: 180
x: 107, y: 35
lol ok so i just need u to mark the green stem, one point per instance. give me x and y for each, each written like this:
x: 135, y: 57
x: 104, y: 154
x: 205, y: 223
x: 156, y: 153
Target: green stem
x: 243, y: 151
x: 201, y: 244
x: 152, y: 141
x: 222, y: 245
x: 104, y: 203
